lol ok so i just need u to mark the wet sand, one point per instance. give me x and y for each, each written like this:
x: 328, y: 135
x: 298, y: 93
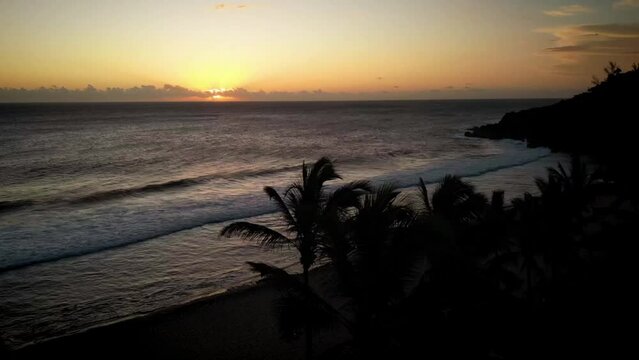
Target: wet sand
x: 239, y: 324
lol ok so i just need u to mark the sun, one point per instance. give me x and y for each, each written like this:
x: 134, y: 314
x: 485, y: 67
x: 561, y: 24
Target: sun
x: 218, y: 94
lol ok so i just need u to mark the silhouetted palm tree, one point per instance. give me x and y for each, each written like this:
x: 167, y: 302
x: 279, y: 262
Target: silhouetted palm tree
x: 376, y: 227
x: 455, y: 200
x: 576, y: 186
x: 529, y: 229
x: 301, y: 209
x: 336, y: 223
x: 446, y: 217
x: 494, y: 249
x: 565, y: 197
x: 376, y: 232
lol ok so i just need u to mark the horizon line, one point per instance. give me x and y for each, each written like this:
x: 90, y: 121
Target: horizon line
x: 268, y: 101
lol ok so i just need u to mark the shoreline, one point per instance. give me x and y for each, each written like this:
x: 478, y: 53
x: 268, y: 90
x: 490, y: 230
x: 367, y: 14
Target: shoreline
x: 231, y: 323
x: 254, y: 281
x: 138, y: 317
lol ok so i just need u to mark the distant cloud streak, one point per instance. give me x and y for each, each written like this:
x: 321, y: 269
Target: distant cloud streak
x: 588, y: 46
x: 602, y: 39
x: 626, y: 4
x: 568, y: 10
x: 178, y: 93
x: 223, y: 6
x: 90, y: 93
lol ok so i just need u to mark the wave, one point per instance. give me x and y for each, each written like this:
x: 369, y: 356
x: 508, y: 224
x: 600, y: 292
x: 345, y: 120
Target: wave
x: 132, y: 241
x: 120, y: 193
x: 151, y: 188
x: 406, y: 179
x: 109, y: 195
x: 471, y: 169
x: 13, y: 205
x: 115, y: 194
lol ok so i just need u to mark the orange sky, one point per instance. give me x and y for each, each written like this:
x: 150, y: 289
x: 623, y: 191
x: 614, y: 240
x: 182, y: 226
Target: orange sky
x: 290, y: 49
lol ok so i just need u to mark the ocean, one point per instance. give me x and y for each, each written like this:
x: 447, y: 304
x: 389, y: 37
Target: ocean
x: 112, y: 210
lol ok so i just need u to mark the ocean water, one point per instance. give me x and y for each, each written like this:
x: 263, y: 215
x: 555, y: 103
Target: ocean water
x: 109, y: 211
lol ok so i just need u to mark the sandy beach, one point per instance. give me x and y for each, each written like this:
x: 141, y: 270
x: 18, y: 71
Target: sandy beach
x: 239, y: 324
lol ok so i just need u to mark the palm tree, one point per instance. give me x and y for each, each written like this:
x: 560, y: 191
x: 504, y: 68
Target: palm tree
x: 455, y: 200
x: 376, y: 230
x: 495, y: 250
x: 565, y: 197
x: 576, y: 185
x: 529, y: 229
x: 334, y: 242
x: 446, y: 216
x: 301, y: 209
x: 378, y: 263
x: 446, y: 225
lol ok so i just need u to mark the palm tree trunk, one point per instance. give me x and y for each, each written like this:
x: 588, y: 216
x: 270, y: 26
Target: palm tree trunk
x: 529, y: 284
x: 309, y: 328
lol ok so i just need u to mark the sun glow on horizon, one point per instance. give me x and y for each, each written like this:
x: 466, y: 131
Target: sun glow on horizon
x: 218, y: 90
x: 499, y: 49
x: 219, y: 94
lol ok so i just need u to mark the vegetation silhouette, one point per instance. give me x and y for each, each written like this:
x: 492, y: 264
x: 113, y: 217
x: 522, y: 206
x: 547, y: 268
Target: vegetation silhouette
x: 454, y: 274
x: 303, y: 205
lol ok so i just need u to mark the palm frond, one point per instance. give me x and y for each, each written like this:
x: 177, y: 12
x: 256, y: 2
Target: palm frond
x: 452, y: 190
x: 554, y: 175
x: 457, y: 200
x: 542, y: 185
x: 279, y: 275
x: 347, y: 195
x: 423, y: 192
x: 281, y: 205
x: 403, y: 215
x: 296, y: 188
x: 261, y: 234
x: 304, y: 172
x: 321, y: 172
x: 563, y: 172
x: 383, y: 197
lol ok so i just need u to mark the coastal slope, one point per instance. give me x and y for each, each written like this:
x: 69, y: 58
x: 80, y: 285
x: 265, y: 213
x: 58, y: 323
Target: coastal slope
x: 599, y: 122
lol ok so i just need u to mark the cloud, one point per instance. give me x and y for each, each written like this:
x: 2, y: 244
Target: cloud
x: 568, y: 10
x: 150, y: 93
x: 223, y: 6
x: 625, y: 4
x: 463, y: 91
x: 599, y: 39
x: 179, y: 93
x: 567, y: 49
x: 580, y: 49
x: 90, y: 93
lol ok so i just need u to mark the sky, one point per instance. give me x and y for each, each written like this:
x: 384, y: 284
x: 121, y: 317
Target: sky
x: 141, y: 50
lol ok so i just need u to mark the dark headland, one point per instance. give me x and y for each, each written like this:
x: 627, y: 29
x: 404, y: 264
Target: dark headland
x: 600, y: 122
